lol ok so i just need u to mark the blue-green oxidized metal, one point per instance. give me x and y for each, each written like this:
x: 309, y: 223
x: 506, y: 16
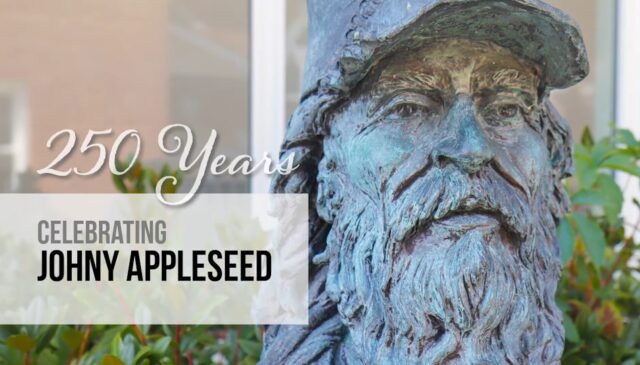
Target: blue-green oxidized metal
x: 434, y: 161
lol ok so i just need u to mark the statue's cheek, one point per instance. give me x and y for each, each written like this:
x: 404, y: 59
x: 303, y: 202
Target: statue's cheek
x: 530, y: 155
x: 370, y: 159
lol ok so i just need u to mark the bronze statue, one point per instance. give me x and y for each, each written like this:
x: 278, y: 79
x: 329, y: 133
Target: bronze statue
x: 433, y: 160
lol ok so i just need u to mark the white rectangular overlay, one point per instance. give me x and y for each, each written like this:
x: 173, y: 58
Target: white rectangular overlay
x: 225, y: 258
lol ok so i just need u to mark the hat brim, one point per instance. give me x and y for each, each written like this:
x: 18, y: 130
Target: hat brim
x: 530, y: 29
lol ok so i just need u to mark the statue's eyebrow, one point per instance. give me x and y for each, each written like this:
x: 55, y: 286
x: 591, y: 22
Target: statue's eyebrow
x: 417, y: 82
x: 410, y: 81
x: 506, y: 79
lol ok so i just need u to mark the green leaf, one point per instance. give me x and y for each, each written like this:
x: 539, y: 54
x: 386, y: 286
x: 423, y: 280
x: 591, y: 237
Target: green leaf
x: 153, y: 178
x: 593, y: 238
x: 72, y: 338
x: 609, y: 317
x: 168, y: 187
x: 566, y: 239
x: 119, y: 183
x: 48, y: 357
x: 587, y: 138
x: 581, y: 152
x: 127, y: 349
x: 570, y: 330
x: 111, y: 360
x: 161, y: 346
x: 625, y: 136
x: 179, y: 177
x: 602, y: 150
x: 622, y: 163
x: 609, y: 189
x: 45, y: 337
x: 589, y: 197
x: 249, y: 360
x: 166, y: 170
x: 586, y: 172
x: 251, y: 348
x: 142, y: 353
x: 22, y: 342
x: 116, y: 343
x: 139, y: 186
x: 633, y: 332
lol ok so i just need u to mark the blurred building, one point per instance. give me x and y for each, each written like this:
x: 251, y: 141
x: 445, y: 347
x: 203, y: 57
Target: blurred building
x: 145, y: 64
x: 118, y: 65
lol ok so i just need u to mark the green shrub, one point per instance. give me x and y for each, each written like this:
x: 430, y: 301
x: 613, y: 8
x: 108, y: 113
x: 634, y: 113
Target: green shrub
x: 129, y: 345
x: 132, y: 344
x: 598, y: 294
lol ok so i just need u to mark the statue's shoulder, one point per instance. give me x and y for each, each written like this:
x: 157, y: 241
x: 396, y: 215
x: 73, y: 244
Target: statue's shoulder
x: 320, y: 342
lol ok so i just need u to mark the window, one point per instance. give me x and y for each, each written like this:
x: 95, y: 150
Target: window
x: 268, y: 91
x: 12, y: 143
x: 628, y: 91
x: 121, y: 64
x: 208, y: 81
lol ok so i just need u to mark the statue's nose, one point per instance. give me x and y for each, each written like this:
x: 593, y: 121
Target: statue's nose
x: 466, y: 144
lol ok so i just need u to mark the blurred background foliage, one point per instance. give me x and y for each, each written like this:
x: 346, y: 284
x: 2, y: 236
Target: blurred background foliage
x: 599, y: 293
x: 131, y: 344
x: 127, y: 345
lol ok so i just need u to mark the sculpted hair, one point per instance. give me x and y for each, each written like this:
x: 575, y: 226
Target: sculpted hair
x: 304, y: 138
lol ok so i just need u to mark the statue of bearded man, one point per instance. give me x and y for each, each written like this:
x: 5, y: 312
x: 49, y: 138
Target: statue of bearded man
x: 434, y: 161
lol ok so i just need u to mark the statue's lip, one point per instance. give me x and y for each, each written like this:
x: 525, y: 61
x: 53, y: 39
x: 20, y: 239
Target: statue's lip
x: 461, y: 221
x: 455, y: 225
x: 465, y: 220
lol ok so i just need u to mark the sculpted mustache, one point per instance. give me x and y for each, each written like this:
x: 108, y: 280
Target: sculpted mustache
x: 418, y: 169
x: 440, y: 192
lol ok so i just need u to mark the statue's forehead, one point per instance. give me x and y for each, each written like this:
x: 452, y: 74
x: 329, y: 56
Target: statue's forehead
x: 442, y: 64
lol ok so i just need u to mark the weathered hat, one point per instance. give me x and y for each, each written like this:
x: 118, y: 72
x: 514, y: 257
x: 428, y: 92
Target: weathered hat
x: 347, y: 37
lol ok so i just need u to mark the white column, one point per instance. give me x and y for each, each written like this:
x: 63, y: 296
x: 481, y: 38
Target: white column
x: 268, y: 26
x: 17, y: 149
x: 628, y: 87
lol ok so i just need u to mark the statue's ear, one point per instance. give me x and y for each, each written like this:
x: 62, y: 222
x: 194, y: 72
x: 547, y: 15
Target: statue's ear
x: 558, y: 134
x: 330, y: 190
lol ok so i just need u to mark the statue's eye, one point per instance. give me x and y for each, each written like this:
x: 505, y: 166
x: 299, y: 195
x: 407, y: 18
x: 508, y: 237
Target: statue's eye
x: 407, y: 107
x: 507, y: 111
x: 409, y: 110
x: 502, y: 114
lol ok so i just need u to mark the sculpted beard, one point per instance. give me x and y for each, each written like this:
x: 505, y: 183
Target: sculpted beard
x: 415, y: 285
